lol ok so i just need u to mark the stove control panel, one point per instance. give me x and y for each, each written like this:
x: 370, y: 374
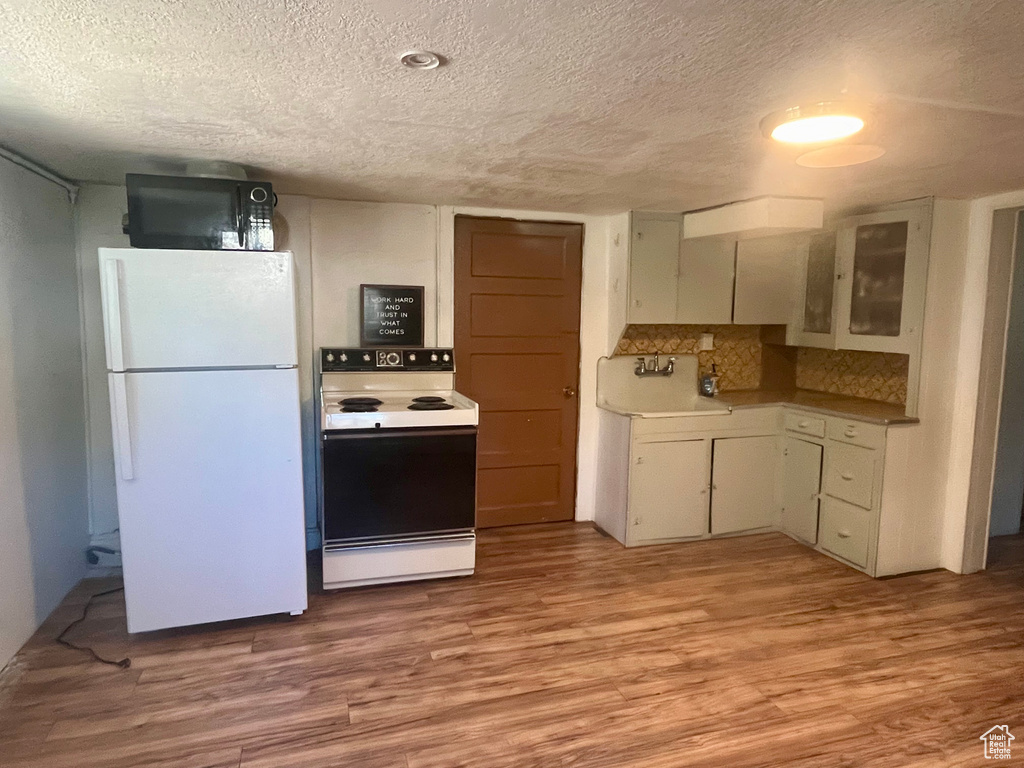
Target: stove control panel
x: 386, y: 359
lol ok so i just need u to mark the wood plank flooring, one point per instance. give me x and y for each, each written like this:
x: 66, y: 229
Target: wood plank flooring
x: 564, y: 650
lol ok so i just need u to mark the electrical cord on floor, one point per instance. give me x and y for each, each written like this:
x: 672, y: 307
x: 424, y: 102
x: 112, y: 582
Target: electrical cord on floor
x: 123, y: 663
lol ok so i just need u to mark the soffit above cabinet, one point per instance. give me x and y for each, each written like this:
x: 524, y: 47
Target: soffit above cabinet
x: 760, y: 217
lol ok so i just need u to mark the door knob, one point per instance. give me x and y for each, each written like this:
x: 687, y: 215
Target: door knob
x: 568, y: 391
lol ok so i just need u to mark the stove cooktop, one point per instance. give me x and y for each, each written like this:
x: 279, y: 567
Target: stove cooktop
x: 385, y: 410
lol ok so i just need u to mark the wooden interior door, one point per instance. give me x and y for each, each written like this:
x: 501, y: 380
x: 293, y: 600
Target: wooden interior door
x: 517, y: 353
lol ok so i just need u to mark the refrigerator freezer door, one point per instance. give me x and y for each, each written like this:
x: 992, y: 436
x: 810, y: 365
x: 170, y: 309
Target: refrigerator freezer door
x: 211, y: 515
x: 165, y: 309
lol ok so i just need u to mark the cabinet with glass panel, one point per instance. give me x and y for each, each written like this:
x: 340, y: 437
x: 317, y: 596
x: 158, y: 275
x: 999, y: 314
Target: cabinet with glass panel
x: 863, y: 285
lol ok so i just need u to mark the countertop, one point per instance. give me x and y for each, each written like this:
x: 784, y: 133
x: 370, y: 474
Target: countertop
x: 821, y: 402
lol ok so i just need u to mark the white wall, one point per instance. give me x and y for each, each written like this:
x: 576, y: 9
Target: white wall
x: 98, y: 225
x: 933, y: 439
x: 1008, y: 479
x: 43, y: 508
x: 338, y: 245
x: 355, y: 243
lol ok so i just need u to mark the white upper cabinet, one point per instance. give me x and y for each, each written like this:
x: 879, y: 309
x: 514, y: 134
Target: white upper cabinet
x: 653, y: 267
x: 882, y: 270
x: 766, y: 269
x: 705, y: 287
x: 814, y: 317
x: 863, y: 286
x: 712, y: 279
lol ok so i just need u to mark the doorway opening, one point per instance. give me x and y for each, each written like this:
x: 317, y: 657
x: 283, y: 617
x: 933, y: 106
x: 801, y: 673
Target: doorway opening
x: 997, y: 473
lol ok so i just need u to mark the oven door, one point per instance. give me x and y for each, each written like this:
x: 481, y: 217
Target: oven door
x: 398, y: 483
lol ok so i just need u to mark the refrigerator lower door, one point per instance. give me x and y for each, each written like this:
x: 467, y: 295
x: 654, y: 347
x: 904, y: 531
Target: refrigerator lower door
x: 210, y: 495
x: 197, y: 309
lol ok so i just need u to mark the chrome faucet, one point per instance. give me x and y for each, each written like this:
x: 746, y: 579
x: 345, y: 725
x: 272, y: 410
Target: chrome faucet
x: 655, y: 369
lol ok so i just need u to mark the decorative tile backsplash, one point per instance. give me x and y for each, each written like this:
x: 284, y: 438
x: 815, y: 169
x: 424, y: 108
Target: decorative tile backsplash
x: 737, y: 351
x: 872, y: 375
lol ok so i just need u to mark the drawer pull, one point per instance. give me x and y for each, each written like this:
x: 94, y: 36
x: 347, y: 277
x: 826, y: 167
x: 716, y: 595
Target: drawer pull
x: 843, y: 534
x: 850, y: 432
x: 846, y: 476
x: 804, y: 424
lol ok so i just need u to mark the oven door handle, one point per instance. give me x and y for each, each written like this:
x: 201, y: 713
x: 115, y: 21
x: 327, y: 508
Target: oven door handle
x: 435, y: 538
x: 341, y: 434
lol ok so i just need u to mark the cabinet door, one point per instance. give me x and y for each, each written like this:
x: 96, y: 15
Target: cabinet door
x: 813, y: 322
x: 706, y: 271
x: 765, y: 277
x: 880, y: 283
x: 668, y: 490
x: 653, y: 269
x: 743, y: 484
x: 801, y: 488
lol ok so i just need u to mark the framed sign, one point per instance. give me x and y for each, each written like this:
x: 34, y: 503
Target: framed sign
x: 391, y: 315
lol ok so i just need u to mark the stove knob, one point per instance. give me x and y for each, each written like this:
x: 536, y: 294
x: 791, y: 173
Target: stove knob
x: 366, y: 358
x: 446, y: 357
x: 344, y: 357
x: 433, y: 358
x: 412, y: 357
x: 330, y: 357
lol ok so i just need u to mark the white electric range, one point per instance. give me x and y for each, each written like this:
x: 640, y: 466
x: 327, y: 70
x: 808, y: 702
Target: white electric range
x: 397, y: 467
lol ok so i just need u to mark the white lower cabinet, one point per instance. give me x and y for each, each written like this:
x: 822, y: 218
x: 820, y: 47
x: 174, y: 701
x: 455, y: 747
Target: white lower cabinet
x: 839, y: 485
x: 846, y: 531
x: 801, y: 488
x: 743, y: 480
x: 668, y: 491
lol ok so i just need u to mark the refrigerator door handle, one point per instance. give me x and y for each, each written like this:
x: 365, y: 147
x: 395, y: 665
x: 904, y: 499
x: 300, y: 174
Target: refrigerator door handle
x: 122, y: 427
x: 112, y: 297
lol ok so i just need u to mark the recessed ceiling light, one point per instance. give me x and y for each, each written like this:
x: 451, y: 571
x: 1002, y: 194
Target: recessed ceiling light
x: 840, y: 155
x: 824, y: 121
x: 421, y: 60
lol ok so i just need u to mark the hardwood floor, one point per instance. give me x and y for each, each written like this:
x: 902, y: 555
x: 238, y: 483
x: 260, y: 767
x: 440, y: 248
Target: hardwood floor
x: 564, y: 649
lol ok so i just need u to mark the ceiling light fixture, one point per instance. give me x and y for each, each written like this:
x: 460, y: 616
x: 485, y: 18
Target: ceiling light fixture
x: 840, y: 156
x: 421, y: 60
x: 814, y: 124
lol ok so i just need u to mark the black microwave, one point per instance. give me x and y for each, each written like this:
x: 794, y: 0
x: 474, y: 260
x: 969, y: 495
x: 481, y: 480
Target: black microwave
x: 199, y: 213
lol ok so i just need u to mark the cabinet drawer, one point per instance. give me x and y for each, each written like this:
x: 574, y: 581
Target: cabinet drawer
x: 850, y: 474
x: 857, y: 433
x: 845, y: 530
x: 807, y: 425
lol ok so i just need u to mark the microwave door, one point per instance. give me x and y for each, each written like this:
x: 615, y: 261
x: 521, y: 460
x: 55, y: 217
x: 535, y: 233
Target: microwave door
x: 186, y: 213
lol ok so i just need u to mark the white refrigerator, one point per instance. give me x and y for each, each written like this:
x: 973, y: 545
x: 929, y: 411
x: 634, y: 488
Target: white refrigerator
x: 204, y: 399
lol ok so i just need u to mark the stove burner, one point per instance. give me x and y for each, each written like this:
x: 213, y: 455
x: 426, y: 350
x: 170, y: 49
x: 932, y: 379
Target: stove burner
x: 431, y: 406
x: 359, y: 408
x: 428, y: 399
x: 360, y: 401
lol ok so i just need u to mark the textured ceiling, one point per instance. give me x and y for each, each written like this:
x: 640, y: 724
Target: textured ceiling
x: 576, y: 106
